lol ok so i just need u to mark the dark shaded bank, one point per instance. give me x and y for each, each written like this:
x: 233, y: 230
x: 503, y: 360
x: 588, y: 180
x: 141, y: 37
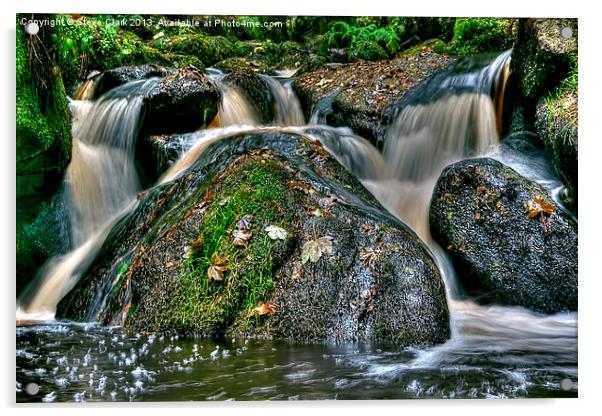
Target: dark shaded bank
x: 509, y: 241
x: 269, y: 219
x: 43, y: 136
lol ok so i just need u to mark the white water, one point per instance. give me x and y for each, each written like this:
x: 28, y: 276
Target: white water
x: 423, y: 140
x: 101, y: 187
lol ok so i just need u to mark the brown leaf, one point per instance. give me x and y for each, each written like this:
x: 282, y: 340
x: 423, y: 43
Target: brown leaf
x: 368, y: 255
x: 241, y: 237
x: 265, y: 308
x: 214, y: 273
x: 218, y: 267
x: 368, y: 228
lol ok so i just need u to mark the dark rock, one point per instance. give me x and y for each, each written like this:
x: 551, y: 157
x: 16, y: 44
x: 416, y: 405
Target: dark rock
x: 362, y: 90
x: 119, y: 76
x: 182, y: 102
x: 256, y: 89
x: 557, y: 125
x: 478, y: 212
x: 541, y: 56
x: 379, y: 281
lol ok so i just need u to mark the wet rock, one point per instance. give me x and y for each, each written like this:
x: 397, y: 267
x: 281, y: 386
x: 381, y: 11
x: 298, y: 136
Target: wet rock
x: 119, y: 76
x: 541, y: 55
x: 155, y: 154
x: 557, y: 124
x: 362, y: 90
x: 480, y: 213
x: 256, y: 89
x: 182, y: 102
x: 201, y: 254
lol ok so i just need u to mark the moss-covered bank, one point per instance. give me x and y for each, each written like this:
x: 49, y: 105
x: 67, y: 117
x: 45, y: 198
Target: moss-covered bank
x: 43, y: 135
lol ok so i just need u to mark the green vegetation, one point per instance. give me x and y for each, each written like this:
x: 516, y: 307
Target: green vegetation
x: 481, y: 35
x: 257, y: 188
x: 364, y: 42
x: 43, y: 141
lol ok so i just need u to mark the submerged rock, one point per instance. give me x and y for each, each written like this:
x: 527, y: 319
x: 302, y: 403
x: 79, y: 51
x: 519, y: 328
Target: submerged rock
x: 509, y: 241
x: 182, y: 102
x: 265, y: 234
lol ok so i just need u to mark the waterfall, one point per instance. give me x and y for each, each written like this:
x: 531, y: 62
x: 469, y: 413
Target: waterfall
x: 453, y: 116
x: 101, y: 184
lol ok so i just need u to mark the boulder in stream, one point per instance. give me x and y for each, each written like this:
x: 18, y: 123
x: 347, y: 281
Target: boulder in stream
x: 265, y: 234
x: 509, y: 241
x: 124, y: 74
x: 181, y: 102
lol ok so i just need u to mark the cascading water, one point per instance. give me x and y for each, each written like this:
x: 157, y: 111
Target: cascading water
x: 454, y: 116
x: 101, y: 185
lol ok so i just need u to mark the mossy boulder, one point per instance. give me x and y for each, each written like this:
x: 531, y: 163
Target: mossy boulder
x: 557, y: 124
x: 510, y: 243
x: 541, y: 56
x: 43, y: 147
x: 256, y: 89
x: 314, y: 247
x: 181, y: 102
x: 209, y: 49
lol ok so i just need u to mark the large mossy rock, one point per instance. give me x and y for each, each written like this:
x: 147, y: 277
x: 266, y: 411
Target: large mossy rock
x: 367, y: 277
x: 358, y: 93
x: 541, y: 56
x: 181, y: 102
x: 43, y: 150
x: 480, y: 213
x: 557, y: 125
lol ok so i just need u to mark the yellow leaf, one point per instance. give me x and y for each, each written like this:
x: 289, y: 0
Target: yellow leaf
x: 537, y: 206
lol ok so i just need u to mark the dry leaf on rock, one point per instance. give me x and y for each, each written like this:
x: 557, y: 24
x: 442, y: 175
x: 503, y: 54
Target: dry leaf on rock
x: 313, y: 249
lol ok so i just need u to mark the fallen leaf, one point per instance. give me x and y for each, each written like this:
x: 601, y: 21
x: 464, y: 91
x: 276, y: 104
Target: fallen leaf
x: 276, y: 233
x: 368, y: 228
x: 214, y: 273
x: 245, y: 222
x: 368, y: 255
x: 224, y: 201
x: 218, y: 267
x: 537, y: 206
x: 313, y: 249
x: 265, y: 308
x: 241, y: 237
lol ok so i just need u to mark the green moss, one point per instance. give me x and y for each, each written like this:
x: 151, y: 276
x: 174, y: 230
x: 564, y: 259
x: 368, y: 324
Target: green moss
x: 207, y: 306
x: 481, y: 35
x: 208, y: 49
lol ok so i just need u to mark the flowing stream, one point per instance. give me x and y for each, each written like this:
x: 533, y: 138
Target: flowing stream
x: 494, y: 351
